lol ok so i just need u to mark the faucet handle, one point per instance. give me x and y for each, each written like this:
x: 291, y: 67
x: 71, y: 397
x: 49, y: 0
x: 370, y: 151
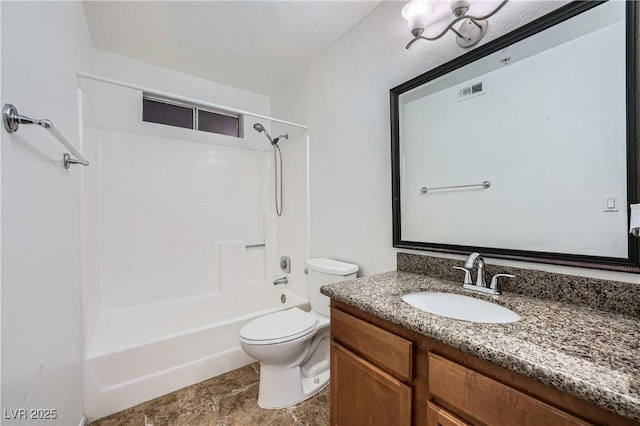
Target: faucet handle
x: 467, y: 274
x: 494, y: 280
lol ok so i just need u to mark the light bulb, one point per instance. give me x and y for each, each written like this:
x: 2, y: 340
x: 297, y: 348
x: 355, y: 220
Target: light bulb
x: 417, y: 12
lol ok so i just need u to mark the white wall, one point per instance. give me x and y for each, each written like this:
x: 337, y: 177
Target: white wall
x: 118, y: 67
x: 42, y: 45
x: 344, y: 99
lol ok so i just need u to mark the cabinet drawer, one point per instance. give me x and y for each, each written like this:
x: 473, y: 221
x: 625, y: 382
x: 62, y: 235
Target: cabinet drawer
x: 386, y: 350
x: 437, y: 416
x: 490, y: 401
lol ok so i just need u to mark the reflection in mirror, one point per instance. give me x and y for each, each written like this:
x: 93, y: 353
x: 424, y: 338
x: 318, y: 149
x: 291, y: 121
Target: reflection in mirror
x: 544, y: 121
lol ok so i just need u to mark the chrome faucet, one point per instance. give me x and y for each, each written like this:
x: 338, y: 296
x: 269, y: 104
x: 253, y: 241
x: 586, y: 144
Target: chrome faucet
x: 476, y: 260
x: 282, y: 280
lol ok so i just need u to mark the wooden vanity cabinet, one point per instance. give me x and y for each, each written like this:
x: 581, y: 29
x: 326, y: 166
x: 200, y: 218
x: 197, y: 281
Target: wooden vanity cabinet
x: 370, y: 374
x: 365, y: 394
x: 383, y: 374
x: 488, y: 400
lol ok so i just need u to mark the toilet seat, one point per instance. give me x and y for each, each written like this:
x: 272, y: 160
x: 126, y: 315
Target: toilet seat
x: 278, y: 327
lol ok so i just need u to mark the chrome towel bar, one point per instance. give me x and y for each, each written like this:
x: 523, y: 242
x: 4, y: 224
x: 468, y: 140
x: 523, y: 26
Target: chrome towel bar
x: 485, y: 184
x: 12, y: 121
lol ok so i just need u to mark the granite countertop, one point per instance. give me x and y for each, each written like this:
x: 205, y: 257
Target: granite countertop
x: 590, y: 353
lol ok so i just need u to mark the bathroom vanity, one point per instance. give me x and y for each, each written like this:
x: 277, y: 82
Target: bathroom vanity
x: 560, y: 364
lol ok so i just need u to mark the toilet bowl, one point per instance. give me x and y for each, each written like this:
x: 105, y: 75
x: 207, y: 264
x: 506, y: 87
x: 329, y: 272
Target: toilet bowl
x: 292, y: 346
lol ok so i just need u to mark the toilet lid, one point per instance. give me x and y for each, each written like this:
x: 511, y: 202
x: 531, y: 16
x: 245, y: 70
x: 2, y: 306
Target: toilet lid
x: 278, y: 327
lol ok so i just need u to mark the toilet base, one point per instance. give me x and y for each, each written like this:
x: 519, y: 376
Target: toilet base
x: 282, y: 387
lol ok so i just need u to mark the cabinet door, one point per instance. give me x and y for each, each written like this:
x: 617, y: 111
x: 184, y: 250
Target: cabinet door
x: 437, y: 416
x: 362, y: 394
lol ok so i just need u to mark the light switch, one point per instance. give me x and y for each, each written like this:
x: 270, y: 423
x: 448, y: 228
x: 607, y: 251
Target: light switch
x: 611, y: 203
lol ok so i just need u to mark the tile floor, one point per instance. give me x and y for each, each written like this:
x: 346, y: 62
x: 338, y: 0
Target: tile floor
x: 227, y: 400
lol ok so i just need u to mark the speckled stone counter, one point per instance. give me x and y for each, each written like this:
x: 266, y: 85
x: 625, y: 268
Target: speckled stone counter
x: 593, y: 354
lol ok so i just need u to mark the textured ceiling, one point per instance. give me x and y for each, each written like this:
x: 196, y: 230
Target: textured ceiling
x: 253, y: 45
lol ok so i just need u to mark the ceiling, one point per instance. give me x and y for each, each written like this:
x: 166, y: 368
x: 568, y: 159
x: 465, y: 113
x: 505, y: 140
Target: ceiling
x: 252, y: 45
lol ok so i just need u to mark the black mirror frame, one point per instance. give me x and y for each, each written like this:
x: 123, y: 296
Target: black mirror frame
x: 632, y: 262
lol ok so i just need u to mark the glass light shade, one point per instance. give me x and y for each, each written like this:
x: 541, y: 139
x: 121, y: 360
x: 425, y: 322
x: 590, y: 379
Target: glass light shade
x: 417, y: 12
x: 459, y: 5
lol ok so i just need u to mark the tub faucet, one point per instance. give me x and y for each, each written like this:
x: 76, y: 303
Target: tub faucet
x: 476, y: 260
x: 282, y: 280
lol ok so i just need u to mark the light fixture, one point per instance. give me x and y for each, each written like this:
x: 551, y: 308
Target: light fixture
x: 471, y: 30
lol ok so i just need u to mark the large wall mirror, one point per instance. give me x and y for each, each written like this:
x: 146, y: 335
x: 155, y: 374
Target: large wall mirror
x: 525, y: 148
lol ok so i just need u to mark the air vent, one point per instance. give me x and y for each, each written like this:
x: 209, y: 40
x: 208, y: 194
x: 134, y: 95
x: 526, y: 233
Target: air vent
x: 471, y: 91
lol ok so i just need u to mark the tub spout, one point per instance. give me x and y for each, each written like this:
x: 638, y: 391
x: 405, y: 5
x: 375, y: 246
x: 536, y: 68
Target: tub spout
x: 282, y: 280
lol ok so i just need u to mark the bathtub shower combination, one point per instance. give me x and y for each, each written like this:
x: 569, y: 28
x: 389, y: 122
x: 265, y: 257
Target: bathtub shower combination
x: 142, y: 353
x: 181, y: 241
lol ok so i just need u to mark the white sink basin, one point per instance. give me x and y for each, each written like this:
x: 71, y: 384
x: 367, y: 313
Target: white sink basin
x: 460, y: 307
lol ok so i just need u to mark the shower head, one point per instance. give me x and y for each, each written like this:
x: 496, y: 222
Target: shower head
x: 274, y: 142
x: 260, y: 128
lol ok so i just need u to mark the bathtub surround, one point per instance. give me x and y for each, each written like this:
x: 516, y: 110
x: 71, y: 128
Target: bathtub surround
x: 182, y: 223
x: 614, y: 296
x: 191, y: 282
x: 180, y: 264
x: 226, y: 400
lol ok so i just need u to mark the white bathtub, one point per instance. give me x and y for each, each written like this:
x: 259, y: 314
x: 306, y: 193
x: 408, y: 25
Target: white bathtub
x: 139, y: 354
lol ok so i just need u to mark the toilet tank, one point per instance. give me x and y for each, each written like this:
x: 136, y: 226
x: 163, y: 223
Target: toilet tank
x: 321, y: 271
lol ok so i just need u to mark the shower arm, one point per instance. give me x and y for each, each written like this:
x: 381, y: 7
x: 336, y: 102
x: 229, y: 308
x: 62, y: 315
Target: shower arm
x: 277, y: 138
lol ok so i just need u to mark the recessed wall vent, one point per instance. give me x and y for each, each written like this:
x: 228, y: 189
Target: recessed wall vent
x: 470, y: 91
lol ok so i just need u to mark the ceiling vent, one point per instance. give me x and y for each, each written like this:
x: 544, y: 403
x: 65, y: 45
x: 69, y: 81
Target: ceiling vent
x: 471, y: 91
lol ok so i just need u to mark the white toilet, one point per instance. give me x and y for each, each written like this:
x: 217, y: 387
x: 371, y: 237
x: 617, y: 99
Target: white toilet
x: 293, y: 345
